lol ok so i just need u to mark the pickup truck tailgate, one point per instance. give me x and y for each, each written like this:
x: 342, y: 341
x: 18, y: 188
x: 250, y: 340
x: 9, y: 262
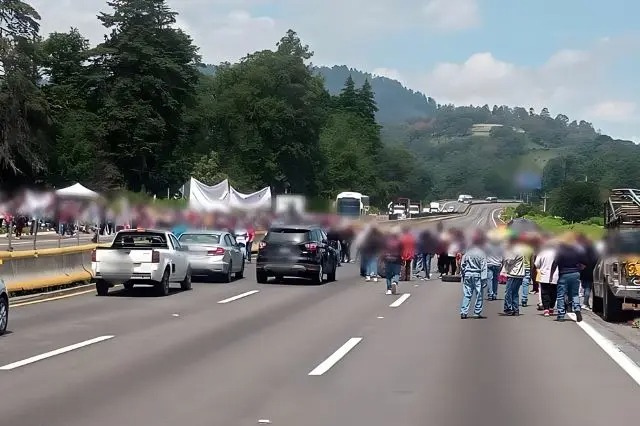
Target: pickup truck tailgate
x: 125, y: 263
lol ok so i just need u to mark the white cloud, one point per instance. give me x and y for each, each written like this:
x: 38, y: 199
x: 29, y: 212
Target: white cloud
x: 389, y: 73
x: 452, y: 15
x: 567, y: 82
x: 614, y: 111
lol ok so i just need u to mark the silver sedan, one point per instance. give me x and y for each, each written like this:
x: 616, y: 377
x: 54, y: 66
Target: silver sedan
x: 214, y: 254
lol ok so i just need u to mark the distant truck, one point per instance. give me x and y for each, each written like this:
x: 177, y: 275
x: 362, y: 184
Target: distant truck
x: 415, y: 208
x: 616, y: 278
x: 141, y: 256
x: 434, y: 207
x: 463, y: 198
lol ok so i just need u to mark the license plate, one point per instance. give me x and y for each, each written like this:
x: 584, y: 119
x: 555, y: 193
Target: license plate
x: 284, y: 250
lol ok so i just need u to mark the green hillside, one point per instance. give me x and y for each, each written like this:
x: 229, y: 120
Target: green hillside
x: 459, y: 154
x: 396, y: 103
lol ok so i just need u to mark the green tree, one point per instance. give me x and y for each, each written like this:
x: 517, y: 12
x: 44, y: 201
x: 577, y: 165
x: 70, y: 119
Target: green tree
x: 366, y: 99
x: 24, y: 113
x: 268, y: 114
x: 148, y: 80
x: 208, y: 169
x: 576, y: 201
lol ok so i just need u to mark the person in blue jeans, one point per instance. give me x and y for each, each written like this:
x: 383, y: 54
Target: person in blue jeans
x: 514, y: 269
x: 495, y: 256
x: 570, y: 260
x: 393, y: 261
x: 473, y: 268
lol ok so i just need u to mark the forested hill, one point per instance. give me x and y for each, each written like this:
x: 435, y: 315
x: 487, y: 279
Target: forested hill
x: 396, y: 103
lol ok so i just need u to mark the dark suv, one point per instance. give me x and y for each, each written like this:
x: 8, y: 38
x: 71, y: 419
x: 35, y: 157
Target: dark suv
x: 296, y: 251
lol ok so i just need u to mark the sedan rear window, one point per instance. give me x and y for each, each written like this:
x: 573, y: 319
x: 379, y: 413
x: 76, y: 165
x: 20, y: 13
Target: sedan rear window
x: 208, y: 239
x: 288, y: 235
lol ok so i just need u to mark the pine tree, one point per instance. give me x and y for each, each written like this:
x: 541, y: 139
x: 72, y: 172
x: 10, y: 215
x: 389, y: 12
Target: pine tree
x: 367, y: 101
x: 348, y: 99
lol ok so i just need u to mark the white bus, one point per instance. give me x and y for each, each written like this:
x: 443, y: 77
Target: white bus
x: 352, y: 204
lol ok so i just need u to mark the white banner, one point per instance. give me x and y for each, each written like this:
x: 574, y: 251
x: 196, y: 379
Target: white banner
x: 259, y: 200
x: 208, y: 198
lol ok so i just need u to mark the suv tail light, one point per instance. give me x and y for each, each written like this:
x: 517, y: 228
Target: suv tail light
x: 155, y: 256
x: 311, y: 246
x: 93, y: 255
x: 262, y: 245
x: 219, y: 251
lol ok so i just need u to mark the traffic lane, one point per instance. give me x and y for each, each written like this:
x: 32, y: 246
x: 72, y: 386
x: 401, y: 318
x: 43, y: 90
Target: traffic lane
x: 41, y: 327
x: 201, y: 369
x: 422, y: 365
x: 622, y: 335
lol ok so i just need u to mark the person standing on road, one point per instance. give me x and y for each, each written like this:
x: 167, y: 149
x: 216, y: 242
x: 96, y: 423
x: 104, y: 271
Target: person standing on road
x: 495, y: 257
x: 514, y: 270
x: 548, y: 281
x: 429, y: 245
x: 570, y: 260
x: 473, y: 269
x: 408, y: 243
x: 393, y: 260
x: 527, y: 258
x: 251, y: 235
x: 586, y: 275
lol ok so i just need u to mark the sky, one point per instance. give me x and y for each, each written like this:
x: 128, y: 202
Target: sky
x: 576, y: 57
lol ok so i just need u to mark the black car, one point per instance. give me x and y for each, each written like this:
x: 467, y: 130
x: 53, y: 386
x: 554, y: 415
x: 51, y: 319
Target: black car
x: 296, y: 251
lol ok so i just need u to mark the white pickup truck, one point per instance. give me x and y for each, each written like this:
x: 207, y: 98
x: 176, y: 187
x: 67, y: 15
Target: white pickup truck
x: 141, y: 256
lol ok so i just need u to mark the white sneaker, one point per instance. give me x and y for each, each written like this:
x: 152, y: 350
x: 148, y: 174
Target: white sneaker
x: 375, y: 279
x: 388, y: 292
x: 368, y: 278
x: 394, y: 288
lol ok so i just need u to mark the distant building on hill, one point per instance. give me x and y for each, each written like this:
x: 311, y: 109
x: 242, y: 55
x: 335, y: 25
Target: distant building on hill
x: 484, y: 129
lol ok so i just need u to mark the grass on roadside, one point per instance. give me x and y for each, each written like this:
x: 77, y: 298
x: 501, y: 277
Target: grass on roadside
x: 592, y: 228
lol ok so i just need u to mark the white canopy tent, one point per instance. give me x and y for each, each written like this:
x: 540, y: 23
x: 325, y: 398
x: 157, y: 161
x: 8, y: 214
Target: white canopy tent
x: 208, y: 198
x: 223, y: 197
x: 77, y: 191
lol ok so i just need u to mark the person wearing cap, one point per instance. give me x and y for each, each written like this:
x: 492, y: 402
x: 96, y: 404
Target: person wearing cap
x: 473, y: 269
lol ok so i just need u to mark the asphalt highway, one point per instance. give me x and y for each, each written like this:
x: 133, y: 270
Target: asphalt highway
x: 341, y: 353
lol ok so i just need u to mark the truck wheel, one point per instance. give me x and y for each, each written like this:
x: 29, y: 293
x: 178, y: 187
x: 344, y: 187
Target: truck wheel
x: 612, y: 306
x: 596, y: 303
x: 128, y: 286
x: 102, y: 287
x: 186, y: 283
x: 261, y: 277
x: 162, y: 288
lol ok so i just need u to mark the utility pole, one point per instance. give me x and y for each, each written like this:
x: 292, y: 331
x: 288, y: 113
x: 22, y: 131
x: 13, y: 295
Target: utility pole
x: 544, y: 203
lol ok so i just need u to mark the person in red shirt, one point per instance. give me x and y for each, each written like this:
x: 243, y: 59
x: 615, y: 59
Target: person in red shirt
x: 251, y: 235
x: 408, y: 248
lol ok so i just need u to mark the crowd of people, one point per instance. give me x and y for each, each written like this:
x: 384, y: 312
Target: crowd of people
x: 556, y: 270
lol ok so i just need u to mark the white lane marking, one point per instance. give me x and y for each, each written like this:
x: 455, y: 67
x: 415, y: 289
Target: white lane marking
x: 400, y: 300
x: 614, y: 352
x: 380, y: 317
x: 51, y: 299
x: 239, y: 296
x: 333, y: 359
x: 264, y: 421
x: 60, y: 351
x: 493, y: 217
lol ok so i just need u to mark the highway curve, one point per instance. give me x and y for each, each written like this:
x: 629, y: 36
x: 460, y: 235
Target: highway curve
x: 189, y: 360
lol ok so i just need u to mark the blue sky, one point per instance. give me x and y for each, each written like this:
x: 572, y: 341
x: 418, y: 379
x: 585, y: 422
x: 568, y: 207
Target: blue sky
x: 578, y: 57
